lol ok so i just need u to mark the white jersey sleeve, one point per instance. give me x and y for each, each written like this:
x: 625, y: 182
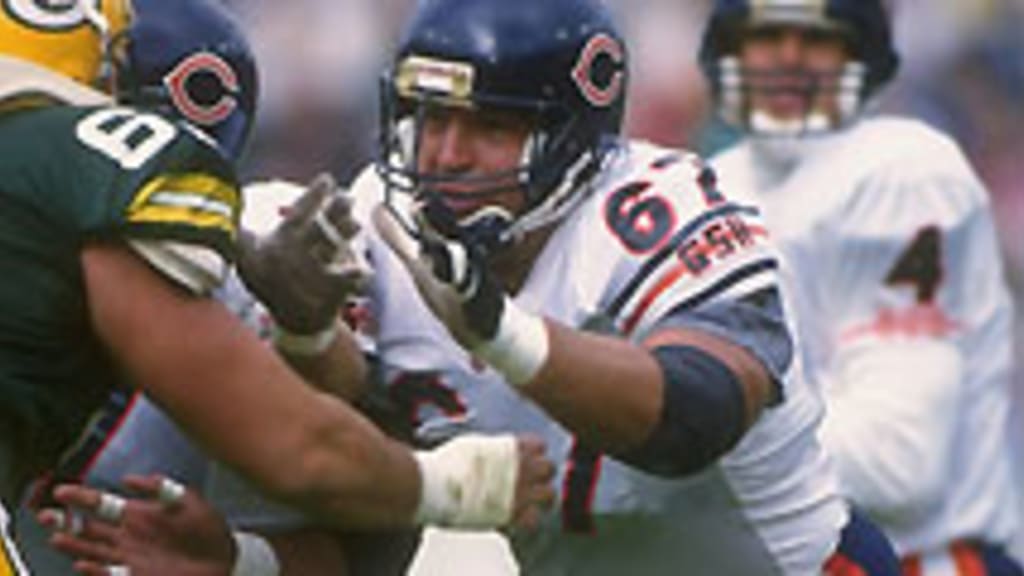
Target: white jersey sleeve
x: 915, y: 423
x: 680, y: 251
x: 687, y: 243
x: 197, y: 268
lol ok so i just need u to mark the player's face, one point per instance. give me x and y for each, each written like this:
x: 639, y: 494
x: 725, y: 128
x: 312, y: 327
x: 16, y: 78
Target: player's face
x: 793, y: 71
x: 474, y: 143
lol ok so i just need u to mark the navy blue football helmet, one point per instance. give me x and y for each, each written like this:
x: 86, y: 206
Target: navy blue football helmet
x: 862, y: 24
x: 189, y: 59
x: 561, y: 62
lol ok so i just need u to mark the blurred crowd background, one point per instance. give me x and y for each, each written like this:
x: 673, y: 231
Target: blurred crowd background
x: 962, y: 70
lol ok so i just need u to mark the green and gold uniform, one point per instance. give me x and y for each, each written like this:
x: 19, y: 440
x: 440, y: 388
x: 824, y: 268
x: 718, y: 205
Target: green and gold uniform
x: 69, y: 176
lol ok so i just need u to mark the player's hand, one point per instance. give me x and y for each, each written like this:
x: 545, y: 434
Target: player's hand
x: 305, y: 269
x: 478, y: 482
x: 166, y: 529
x: 534, y: 490
x: 456, y: 284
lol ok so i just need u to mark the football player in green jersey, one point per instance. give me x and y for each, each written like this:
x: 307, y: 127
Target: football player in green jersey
x: 191, y: 60
x: 115, y: 226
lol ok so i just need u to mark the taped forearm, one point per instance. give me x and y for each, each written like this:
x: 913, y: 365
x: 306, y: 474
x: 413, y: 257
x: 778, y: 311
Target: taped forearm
x: 468, y: 482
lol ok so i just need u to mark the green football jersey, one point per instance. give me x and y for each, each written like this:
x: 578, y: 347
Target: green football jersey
x: 68, y: 176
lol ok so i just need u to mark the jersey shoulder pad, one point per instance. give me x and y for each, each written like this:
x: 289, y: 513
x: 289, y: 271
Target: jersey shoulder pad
x: 916, y: 176
x: 163, y: 185
x: 912, y: 144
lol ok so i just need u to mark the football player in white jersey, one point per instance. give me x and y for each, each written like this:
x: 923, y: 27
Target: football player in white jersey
x: 535, y: 273
x: 894, y: 273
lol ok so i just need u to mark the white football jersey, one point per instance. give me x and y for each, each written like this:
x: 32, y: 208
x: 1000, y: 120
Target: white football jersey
x: 904, y: 319
x: 648, y: 240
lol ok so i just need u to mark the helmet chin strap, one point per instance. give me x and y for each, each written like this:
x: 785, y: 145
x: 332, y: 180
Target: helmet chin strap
x: 489, y: 217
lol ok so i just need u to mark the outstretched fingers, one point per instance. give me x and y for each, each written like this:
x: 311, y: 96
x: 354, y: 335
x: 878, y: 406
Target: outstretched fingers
x: 535, y: 493
x: 81, y: 536
x: 301, y: 212
x: 168, y: 492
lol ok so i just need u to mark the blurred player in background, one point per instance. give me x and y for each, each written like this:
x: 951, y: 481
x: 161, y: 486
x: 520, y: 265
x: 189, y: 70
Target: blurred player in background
x: 890, y: 254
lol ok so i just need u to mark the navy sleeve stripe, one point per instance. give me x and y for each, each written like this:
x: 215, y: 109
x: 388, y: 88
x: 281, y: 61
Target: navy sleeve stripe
x: 730, y: 280
x: 735, y: 277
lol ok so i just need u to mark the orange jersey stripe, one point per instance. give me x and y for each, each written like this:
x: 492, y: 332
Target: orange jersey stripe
x: 968, y: 561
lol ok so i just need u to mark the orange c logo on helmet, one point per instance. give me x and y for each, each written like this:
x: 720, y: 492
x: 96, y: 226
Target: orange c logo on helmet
x: 196, y: 112
x: 601, y: 45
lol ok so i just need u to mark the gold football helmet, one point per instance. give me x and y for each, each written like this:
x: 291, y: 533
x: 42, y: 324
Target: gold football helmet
x: 70, y: 37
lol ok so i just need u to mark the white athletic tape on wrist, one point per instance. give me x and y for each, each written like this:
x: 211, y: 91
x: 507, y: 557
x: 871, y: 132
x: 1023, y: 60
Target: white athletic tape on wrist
x: 520, y: 347
x: 304, y: 344
x: 468, y: 482
x: 255, y: 556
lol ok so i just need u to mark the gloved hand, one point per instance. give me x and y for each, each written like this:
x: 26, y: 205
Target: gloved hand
x: 306, y: 268
x: 462, y: 293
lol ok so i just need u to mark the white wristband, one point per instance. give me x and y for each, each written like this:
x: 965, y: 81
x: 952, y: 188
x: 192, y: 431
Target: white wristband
x: 520, y: 347
x: 255, y: 556
x: 468, y: 482
x: 304, y: 344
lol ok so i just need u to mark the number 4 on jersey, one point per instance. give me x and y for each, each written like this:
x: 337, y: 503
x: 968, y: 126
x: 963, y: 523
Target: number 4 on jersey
x: 920, y: 265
